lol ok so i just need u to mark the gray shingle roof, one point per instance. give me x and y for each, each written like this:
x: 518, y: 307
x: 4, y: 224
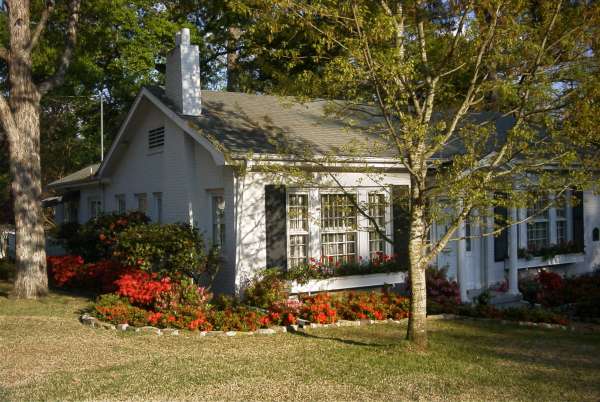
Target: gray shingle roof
x: 80, y: 176
x: 243, y: 123
x: 248, y: 123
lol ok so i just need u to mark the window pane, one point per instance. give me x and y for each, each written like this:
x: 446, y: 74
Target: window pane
x: 298, y: 212
x: 561, y: 231
x: 537, y: 235
x: 468, y: 243
x: 142, y: 202
x: 339, y: 247
x: 376, y: 244
x: 338, y: 211
x: 298, y: 250
x: 218, y: 221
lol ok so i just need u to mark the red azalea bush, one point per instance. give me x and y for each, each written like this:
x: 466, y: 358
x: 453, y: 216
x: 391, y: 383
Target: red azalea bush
x: 142, y: 288
x: 63, y: 270
x: 551, y: 291
x: 442, y: 294
x: 165, y: 302
x: 318, y: 309
x: 580, y: 295
x: 373, y: 305
x: 72, y: 272
x: 284, y: 312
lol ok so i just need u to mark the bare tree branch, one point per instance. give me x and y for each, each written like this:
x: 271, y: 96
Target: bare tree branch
x: 39, y: 29
x: 59, y: 77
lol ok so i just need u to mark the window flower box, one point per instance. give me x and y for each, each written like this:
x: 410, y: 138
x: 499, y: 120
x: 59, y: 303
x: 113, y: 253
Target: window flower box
x: 348, y: 282
x: 560, y: 259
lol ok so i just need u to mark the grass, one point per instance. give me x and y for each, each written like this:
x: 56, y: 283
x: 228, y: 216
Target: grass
x: 47, y: 354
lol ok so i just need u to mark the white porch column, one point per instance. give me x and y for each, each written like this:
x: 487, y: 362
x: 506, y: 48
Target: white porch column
x: 513, y: 259
x: 461, y: 263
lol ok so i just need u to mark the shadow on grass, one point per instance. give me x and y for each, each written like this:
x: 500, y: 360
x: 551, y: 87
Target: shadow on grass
x: 551, y: 348
x: 348, y: 341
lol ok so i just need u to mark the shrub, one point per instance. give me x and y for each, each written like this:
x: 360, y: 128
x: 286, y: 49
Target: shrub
x: 284, y: 312
x: 118, y: 310
x: 372, y: 305
x: 550, y: 293
x: 71, y: 272
x: 267, y: 289
x: 7, y: 270
x: 171, y: 249
x: 95, y: 239
x: 318, y: 309
x: 441, y: 291
x: 165, y: 302
x: 142, y: 288
x: 238, y: 318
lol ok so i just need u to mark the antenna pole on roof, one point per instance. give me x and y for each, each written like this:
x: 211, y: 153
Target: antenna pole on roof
x: 101, y: 128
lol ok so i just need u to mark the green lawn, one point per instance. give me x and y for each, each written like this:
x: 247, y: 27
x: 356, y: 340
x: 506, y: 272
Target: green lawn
x: 46, y: 354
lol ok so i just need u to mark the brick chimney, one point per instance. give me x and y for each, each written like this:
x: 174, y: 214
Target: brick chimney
x: 183, y: 75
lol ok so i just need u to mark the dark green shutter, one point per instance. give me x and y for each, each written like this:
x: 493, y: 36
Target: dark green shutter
x: 501, y: 239
x: 578, y: 230
x: 275, y: 220
x: 401, y: 223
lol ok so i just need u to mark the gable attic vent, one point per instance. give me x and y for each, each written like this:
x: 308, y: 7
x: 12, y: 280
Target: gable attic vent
x: 156, y: 138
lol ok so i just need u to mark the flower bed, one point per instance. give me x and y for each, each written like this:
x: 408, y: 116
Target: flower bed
x: 142, y: 299
x: 577, y: 296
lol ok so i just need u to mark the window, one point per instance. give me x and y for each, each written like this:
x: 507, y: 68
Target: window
x: 218, y: 212
x: 156, y: 138
x: 95, y: 207
x: 71, y: 213
x: 377, y: 208
x: 596, y: 234
x: 338, y: 226
x: 142, y: 202
x: 121, y: 203
x: 537, y: 227
x: 561, y: 222
x: 298, y: 229
x: 158, y: 207
x: 468, y: 242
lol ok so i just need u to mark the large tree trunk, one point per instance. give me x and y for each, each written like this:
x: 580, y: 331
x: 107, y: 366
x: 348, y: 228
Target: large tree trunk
x: 24, y: 144
x: 417, y: 323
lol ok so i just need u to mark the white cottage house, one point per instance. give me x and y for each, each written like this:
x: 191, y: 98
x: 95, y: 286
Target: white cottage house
x: 177, y: 157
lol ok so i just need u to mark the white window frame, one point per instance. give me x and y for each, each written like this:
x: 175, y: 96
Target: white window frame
x: 315, y: 227
x: 344, y: 230
x: 297, y: 232
x: 384, y: 225
x: 537, y: 219
x: 218, y: 224
x: 157, y: 201
x: 118, y: 199
x: 469, y: 234
x: 94, y: 207
x: 138, y: 198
